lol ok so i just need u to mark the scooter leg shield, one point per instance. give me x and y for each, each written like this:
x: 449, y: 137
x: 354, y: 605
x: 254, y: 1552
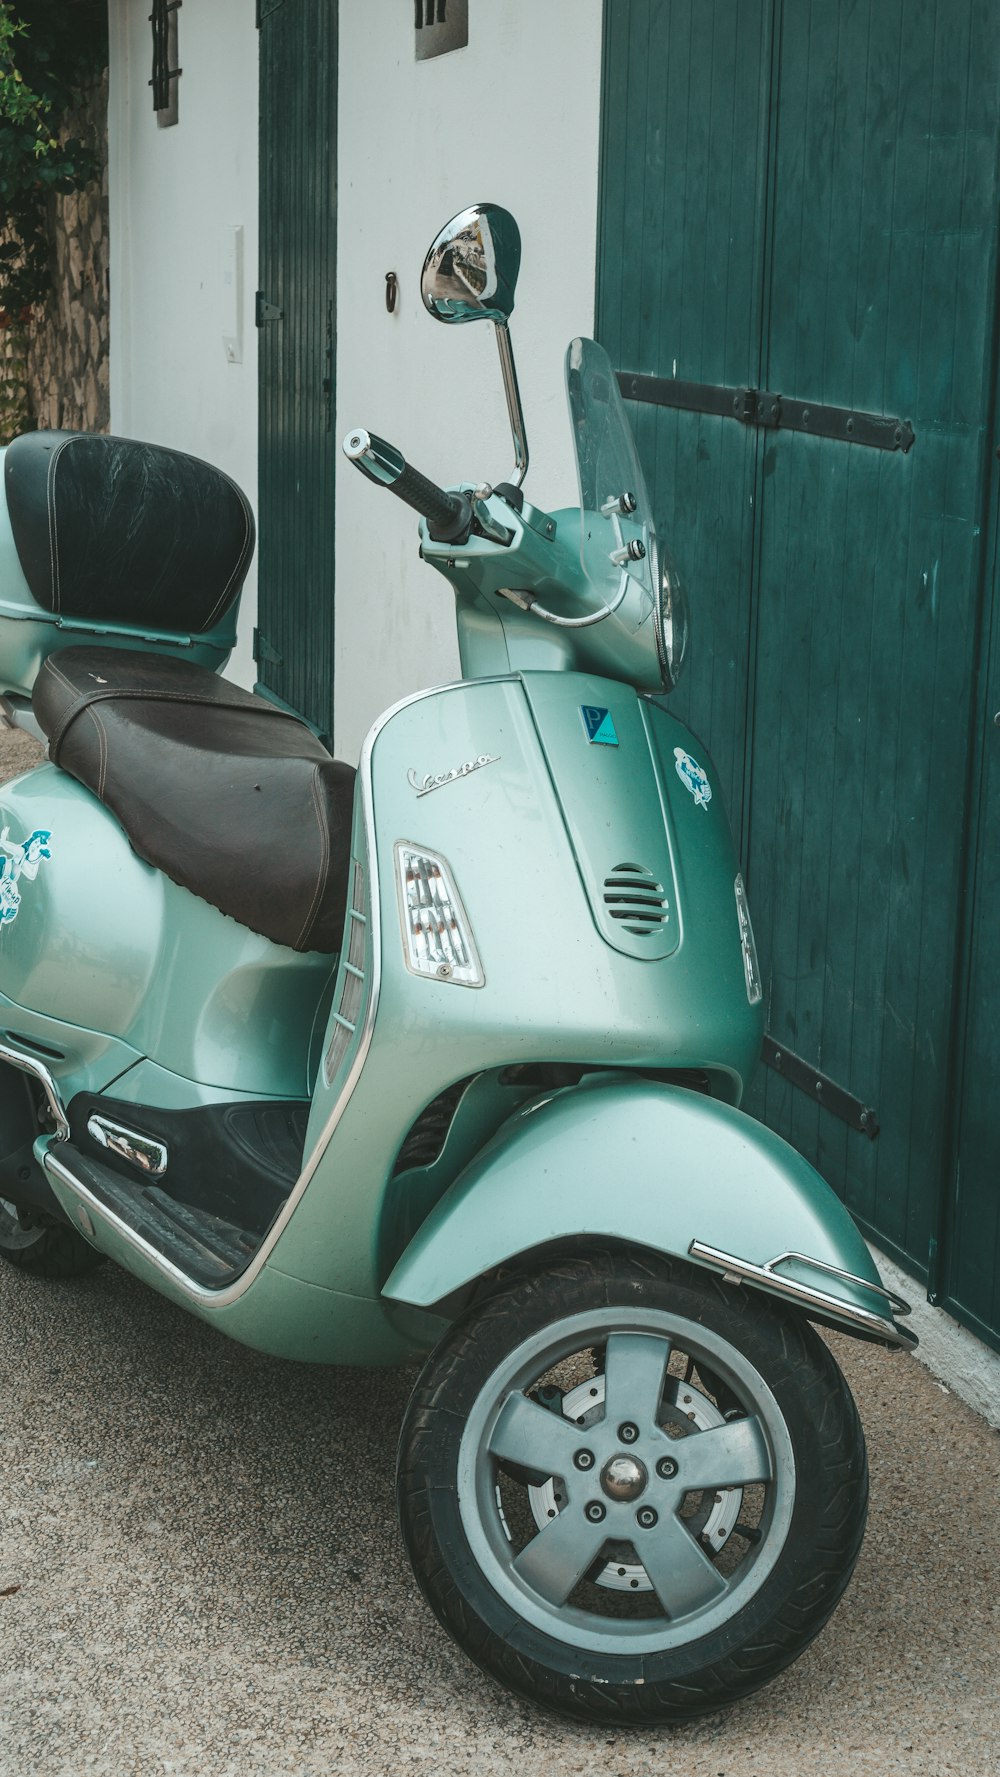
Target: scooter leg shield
x: 654, y: 1166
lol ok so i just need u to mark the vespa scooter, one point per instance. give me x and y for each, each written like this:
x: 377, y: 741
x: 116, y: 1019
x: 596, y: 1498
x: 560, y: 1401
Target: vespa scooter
x: 439, y: 1057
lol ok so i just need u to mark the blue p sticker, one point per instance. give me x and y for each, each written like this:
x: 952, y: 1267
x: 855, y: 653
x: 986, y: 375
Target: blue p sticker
x: 599, y: 725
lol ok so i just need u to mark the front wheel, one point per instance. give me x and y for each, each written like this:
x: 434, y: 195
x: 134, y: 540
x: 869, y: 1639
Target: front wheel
x: 630, y: 1492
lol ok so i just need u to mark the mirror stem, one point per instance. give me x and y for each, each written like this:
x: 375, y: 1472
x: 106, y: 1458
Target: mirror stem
x: 514, y: 408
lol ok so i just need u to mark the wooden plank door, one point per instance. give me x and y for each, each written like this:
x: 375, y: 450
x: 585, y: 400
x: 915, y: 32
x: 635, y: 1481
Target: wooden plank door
x: 970, y: 1236
x: 296, y: 319
x: 880, y: 298
x: 680, y: 290
x: 802, y: 198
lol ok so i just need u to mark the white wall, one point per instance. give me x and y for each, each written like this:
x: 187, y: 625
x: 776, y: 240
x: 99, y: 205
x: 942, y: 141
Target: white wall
x: 512, y: 119
x: 173, y: 193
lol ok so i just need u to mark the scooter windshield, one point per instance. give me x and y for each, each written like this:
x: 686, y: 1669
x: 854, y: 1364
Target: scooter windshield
x: 610, y: 478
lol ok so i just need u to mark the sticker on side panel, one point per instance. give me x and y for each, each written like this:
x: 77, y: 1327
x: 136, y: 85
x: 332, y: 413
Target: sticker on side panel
x: 693, y: 777
x: 599, y: 725
x: 21, y: 859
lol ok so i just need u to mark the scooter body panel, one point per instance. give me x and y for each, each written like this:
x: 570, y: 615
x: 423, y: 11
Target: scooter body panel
x: 556, y: 989
x: 563, y: 989
x: 99, y: 951
x: 650, y: 1164
x: 282, y: 1315
x: 559, y: 987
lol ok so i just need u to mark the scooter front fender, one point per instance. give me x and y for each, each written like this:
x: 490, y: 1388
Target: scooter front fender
x: 654, y: 1166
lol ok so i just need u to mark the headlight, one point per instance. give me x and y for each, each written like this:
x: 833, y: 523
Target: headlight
x: 437, y: 936
x: 751, y: 968
x: 671, y: 622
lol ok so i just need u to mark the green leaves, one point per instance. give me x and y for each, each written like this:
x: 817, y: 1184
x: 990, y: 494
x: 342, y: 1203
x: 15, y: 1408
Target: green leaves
x: 45, y: 54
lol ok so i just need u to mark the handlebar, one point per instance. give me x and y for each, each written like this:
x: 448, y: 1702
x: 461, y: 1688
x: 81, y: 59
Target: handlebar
x: 449, y: 516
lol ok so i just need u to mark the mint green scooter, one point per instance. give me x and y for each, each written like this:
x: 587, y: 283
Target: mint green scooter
x: 440, y: 1057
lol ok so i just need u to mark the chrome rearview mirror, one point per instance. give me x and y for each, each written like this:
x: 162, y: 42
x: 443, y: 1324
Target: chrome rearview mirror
x: 471, y: 269
x: 469, y: 274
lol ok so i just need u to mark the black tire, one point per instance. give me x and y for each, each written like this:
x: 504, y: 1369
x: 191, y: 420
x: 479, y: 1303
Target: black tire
x: 751, y: 1562
x: 43, y: 1247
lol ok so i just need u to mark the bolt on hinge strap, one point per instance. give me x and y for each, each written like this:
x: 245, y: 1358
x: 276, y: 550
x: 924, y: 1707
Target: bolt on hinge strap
x: 826, y: 1092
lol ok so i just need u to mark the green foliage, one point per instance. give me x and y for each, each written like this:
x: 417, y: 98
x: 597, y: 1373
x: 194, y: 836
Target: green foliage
x: 47, y: 52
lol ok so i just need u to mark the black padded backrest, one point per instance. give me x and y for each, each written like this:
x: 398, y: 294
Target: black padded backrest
x: 135, y: 533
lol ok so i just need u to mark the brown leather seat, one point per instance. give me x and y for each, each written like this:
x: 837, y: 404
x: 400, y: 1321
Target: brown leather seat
x: 227, y: 795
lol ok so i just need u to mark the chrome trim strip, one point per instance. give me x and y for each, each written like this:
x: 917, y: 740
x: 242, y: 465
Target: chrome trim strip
x: 222, y: 1298
x: 140, y: 1151
x: 807, y: 1295
x: 30, y: 1064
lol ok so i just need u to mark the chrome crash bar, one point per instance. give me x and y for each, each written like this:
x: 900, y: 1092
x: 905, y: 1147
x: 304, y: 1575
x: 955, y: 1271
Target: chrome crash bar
x: 30, y: 1064
x: 809, y: 1296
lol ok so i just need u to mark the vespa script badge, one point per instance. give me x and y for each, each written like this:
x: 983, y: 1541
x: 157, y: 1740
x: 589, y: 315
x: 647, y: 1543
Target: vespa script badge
x: 424, y: 785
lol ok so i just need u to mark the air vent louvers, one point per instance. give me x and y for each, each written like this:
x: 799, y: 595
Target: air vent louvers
x: 633, y: 896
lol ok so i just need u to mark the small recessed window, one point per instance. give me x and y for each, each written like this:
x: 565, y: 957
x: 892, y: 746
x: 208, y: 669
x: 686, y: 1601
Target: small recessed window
x: 440, y: 25
x: 166, y: 69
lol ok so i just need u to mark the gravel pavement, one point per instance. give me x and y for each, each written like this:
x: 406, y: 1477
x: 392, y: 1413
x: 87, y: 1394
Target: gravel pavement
x: 200, y: 1572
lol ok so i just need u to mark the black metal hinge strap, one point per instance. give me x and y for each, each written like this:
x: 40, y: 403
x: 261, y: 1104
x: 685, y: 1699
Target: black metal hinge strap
x: 761, y: 407
x: 826, y: 1092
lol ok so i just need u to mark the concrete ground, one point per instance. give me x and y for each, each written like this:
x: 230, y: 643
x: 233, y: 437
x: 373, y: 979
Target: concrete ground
x: 200, y: 1572
x: 209, y: 1578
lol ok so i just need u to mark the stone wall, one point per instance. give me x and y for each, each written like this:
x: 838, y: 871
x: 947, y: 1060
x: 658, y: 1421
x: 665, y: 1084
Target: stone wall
x: 54, y: 367
x: 15, y: 406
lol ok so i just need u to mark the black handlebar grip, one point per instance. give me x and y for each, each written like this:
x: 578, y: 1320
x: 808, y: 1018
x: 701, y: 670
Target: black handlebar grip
x: 449, y: 516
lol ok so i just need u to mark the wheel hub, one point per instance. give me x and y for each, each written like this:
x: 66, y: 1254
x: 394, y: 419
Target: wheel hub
x: 585, y: 1405
x: 624, y: 1477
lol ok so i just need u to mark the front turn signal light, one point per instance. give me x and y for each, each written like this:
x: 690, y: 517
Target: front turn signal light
x: 437, y: 936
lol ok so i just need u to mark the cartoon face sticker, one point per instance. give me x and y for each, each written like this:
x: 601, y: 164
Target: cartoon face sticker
x: 693, y: 777
x: 22, y: 858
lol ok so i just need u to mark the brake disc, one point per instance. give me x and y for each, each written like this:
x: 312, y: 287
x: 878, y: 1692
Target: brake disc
x: 685, y: 1410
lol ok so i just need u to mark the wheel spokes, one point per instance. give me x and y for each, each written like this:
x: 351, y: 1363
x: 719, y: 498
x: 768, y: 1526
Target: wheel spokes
x: 680, y: 1573
x: 731, y: 1455
x: 532, y: 1437
x: 634, y: 1368
x: 559, y: 1556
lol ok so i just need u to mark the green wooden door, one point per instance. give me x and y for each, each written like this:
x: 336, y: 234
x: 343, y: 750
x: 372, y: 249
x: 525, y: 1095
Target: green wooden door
x: 836, y: 587
x: 680, y: 293
x: 298, y: 222
x: 969, y: 1272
